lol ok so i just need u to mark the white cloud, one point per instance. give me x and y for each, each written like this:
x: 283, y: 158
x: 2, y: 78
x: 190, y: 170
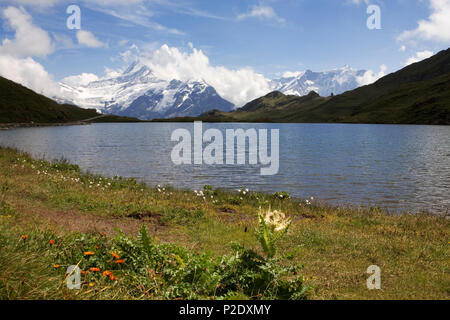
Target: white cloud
x: 357, y: 2
x: 419, y: 56
x: 16, y: 62
x: 370, y: 76
x: 262, y: 12
x: 289, y: 74
x: 82, y: 79
x: 28, y: 73
x: 29, y: 40
x: 238, y: 86
x: 88, y: 39
x: 436, y: 27
x: 403, y: 48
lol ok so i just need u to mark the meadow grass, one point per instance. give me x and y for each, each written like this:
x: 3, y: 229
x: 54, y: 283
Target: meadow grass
x: 55, y: 201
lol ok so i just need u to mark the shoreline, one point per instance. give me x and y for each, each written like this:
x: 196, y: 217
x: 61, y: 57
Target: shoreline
x: 57, y: 201
x: 10, y: 126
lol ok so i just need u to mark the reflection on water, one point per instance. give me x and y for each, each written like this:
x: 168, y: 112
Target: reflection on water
x: 395, y: 167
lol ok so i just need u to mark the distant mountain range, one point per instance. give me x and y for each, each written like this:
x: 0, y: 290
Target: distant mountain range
x: 324, y: 83
x: 137, y: 92
x: 417, y: 94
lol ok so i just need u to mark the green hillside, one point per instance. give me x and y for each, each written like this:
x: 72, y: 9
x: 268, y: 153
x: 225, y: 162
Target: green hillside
x: 21, y: 105
x: 417, y: 94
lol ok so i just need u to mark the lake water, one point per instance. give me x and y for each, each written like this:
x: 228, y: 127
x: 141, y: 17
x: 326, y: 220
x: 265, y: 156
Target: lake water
x: 391, y: 166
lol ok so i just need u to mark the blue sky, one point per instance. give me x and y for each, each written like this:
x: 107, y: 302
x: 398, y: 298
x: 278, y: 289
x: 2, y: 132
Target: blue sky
x: 268, y: 36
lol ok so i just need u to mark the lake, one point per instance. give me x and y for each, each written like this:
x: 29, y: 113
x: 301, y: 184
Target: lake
x: 397, y: 167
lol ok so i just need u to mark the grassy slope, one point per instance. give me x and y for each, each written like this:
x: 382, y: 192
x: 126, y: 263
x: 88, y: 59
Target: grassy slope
x: 337, y: 244
x: 21, y: 105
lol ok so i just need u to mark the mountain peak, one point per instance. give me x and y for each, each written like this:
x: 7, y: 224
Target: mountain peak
x: 325, y: 83
x: 274, y: 95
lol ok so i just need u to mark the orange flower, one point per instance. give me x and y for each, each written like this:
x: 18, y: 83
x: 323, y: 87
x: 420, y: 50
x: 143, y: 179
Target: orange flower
x: 107, y: 273
x: 89, y: 253
x: 51, y: 242
x: 103, y: 234
x: 84, y: 272
x: 112, y: 277
x: 24, y: 237
x: 121, y: 261
x: 56, y: 266
x: 94, y: 269
x: 115, y: 255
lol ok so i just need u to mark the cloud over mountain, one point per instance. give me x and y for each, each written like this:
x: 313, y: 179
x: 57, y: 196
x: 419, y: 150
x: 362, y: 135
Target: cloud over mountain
x: 436, y: 27
x: 235, y: 85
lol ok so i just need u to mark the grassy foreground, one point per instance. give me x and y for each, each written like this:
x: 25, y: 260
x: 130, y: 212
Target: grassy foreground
x: 177, y: 244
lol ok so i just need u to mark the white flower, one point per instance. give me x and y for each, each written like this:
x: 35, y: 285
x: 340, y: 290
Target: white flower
x: 277, y: 220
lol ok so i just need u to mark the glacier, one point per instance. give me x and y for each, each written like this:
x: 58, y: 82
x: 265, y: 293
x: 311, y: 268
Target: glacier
x: 137, y: 92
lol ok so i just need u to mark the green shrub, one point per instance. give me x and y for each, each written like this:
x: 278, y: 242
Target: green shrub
x: 173, y: 272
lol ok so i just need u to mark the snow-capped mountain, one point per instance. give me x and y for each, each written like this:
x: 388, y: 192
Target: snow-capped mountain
x: 324, y: 83
x: 137, y: 92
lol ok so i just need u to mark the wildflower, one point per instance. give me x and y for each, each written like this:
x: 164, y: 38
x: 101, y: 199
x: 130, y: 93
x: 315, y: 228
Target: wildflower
x: 24, y: 237
x: 277, y: 220
x: 91, y: 285
x: 121, y: 261
x: 51, y: 242
x: 107, y: 273
x: 115, y: 255
x: 89, y: 253
x: 112, y: 277
x: 84, y: 272
x: 56, y: 266
x: 94, y: 269
x: 103, y: 234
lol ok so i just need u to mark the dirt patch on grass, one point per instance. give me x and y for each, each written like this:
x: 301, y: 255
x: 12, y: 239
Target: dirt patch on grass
x: 72, y: 221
